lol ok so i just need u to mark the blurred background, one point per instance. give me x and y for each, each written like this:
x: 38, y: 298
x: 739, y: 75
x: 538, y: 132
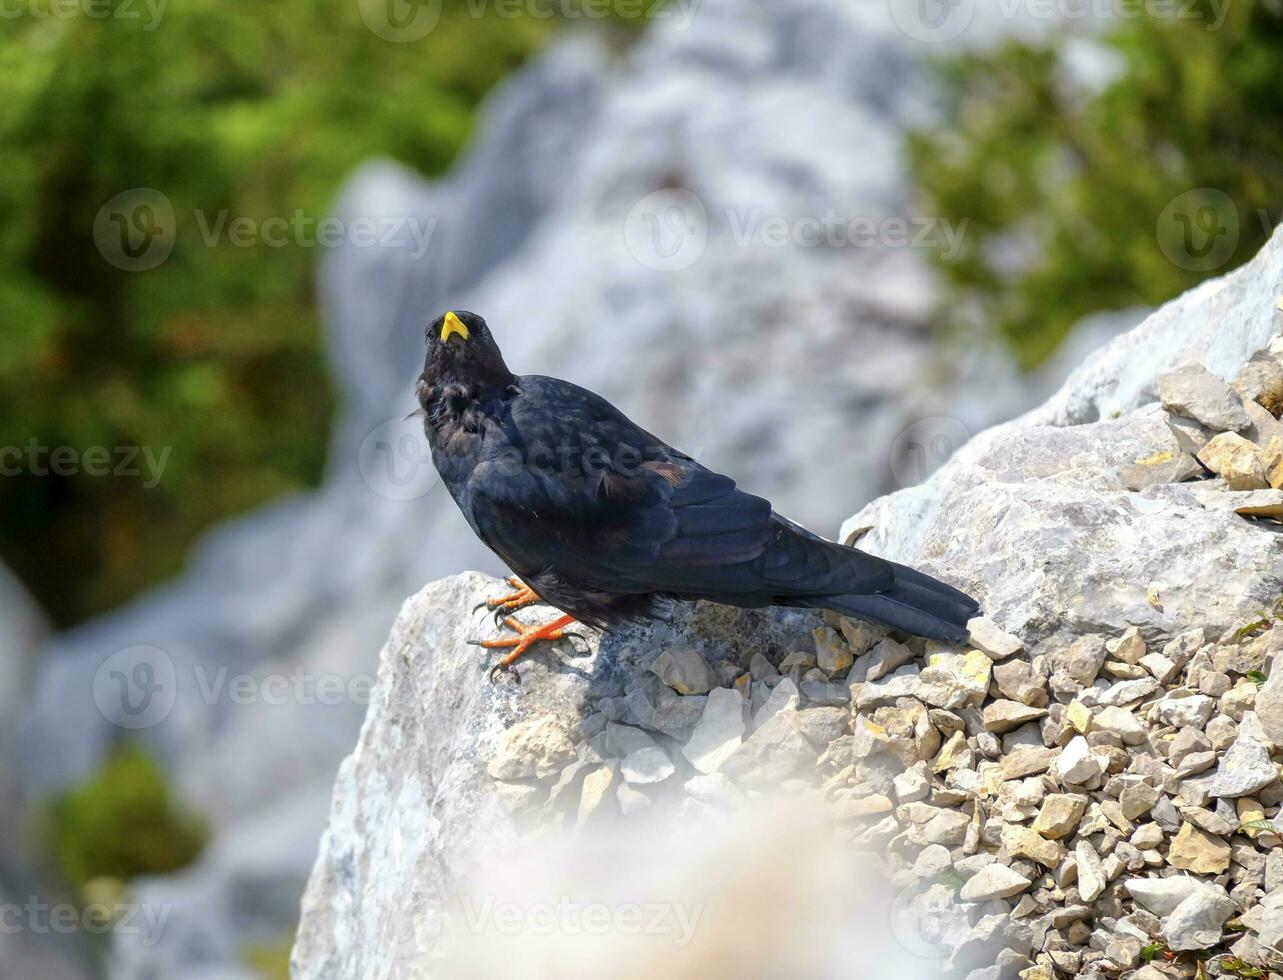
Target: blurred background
x: 226, y: 224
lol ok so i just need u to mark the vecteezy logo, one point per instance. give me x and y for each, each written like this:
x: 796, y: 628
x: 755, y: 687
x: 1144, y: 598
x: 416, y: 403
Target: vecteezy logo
x: 136, y: 687
x: 401, y: 21
x: 932, y: 21
x: 924, y: 447
x: 394, y: 460
x: 1199, y: 230
x: 668, y: 230
x: 135, y: 230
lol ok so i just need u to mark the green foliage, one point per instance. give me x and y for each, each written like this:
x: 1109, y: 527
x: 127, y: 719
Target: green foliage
x: 1084, y: 201
x: 1152, y: 951
x: 1241, y: 968
x: 255, y: 109
x: 121, y: 823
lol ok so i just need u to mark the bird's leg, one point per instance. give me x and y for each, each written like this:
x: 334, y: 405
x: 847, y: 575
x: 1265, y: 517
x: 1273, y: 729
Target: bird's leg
x: 519, y: 599
x: 526, y: 637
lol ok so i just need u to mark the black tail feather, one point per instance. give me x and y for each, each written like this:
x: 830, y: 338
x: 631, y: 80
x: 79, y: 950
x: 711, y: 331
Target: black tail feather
x: 917, y: 604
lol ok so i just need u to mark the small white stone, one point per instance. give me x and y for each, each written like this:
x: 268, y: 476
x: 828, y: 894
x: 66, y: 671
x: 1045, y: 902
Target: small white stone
x: 994, y: 881
x: 719, y: 732
x: 1076, y: 764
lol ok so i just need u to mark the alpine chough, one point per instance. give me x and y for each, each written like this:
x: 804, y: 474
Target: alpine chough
x: 606, y: 522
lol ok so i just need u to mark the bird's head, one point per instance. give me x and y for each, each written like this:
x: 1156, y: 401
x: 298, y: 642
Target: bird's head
x: 463, y: 367
x: 460, y: 347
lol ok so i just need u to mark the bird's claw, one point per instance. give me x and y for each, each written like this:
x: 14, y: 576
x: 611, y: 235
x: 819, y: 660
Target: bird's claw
x: 526, y: 637
x: 501, y: 668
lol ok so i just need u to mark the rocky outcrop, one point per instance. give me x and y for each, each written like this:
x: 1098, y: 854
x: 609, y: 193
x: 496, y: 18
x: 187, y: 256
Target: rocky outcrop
x: 1091, y: 785
x: 764, y: 112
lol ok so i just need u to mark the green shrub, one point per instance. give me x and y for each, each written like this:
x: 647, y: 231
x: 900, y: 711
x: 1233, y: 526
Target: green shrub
x: 121, y: 823
x: 1085, y: 201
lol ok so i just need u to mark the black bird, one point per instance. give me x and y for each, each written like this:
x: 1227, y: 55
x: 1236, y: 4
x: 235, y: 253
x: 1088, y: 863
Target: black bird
x: 607, y: 523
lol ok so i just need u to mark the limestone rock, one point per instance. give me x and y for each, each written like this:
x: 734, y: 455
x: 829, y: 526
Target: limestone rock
x: 994, y: 881
x: 989, y: 639
x: 1091, y: 874
x: 1240, y: 463
x: 537, y: 748
x: 1060, y: 815
x: 1246, y: 767
x: 684, y: 670
x: 1197, y: 922
x: 1076, y: 764
x: 1196, y: 393
x: 1198, y: 851
x: 1162, y: 895
x: 719, y: 733
x: 1005, y: 716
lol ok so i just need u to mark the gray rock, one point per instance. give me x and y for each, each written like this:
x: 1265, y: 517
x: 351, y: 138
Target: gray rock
x: 932, y: 860
x: 1091, y: 874
x: 1246, y: 768
x: 1006, y: 716
x: 1196, y: 393
x: 820, y: 726
x: 1128, y: 692
x: 887, y: 692
x: 1149, y: 560
x: 621, y: 740
x: 785, y: 696
x: 995, y: 881
x: 1162, y: 895
x: 772, y: 754
x: 1193, y: 711
x: 632, y: 801
x: 946, y: 827
x: 1269, y: 707
x: 1076, y: 764
x: 719, y: 733
x: 988, y: 638
x: 535, y: 748
x: 1196, y: 923
x: 1131, y: 729
x: 885, y: 657
x: 685, y: 671
x: 645, y: 766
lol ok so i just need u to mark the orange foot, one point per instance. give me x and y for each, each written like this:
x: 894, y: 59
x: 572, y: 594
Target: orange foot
x: 522, y: 597
x: 527, y: 636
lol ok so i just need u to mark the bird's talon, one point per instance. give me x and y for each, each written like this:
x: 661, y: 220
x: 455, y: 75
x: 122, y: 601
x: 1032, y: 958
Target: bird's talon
x: 499, y: 668
x: 526, y: 637
x: 520, y: 598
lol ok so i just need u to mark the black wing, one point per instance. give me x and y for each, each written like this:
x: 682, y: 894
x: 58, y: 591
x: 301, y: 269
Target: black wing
x: 573, y: 485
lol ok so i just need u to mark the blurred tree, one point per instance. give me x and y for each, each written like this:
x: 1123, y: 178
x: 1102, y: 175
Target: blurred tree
x: 120, y: 823
x: 1082, y: 198
x: 256, y: 109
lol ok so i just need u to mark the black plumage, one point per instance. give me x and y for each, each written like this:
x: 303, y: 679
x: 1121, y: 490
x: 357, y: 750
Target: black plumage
x: 608, y: 523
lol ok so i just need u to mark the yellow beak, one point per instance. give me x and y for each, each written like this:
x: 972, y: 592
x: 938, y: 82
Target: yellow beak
x: 453, y: 325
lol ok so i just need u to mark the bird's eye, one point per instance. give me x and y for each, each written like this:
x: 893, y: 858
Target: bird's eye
x: 458, y: 403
